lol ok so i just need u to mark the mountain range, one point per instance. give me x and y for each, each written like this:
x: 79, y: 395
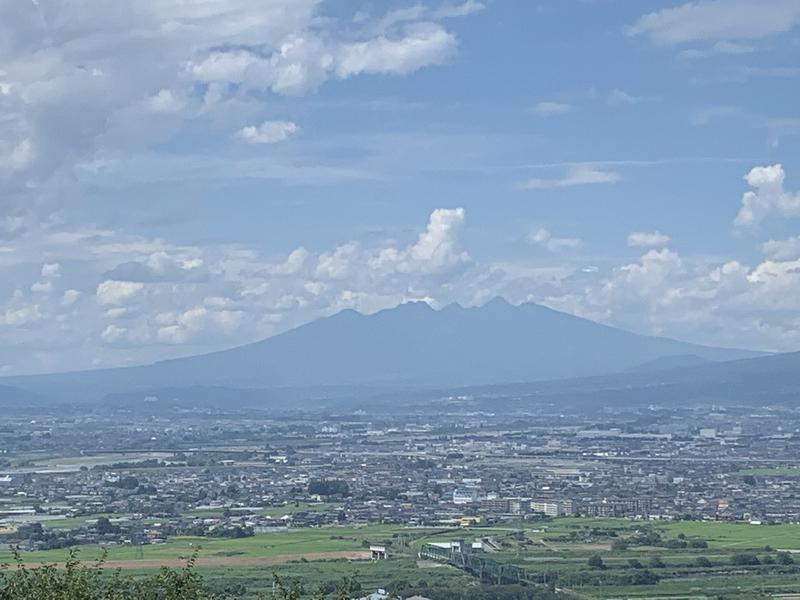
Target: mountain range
x: 411, y: 346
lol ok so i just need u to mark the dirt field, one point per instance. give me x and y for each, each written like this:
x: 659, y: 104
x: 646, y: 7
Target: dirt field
x: 223, y: 561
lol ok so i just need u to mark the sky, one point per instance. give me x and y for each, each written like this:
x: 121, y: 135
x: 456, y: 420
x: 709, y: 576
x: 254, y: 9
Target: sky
x: 182, y: 176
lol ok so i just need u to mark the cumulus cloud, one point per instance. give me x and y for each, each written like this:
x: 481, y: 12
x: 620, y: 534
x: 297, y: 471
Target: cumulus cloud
x: 420, y: 45
x: 575, y: 176
x: 647, y: 239
x: 718, y: 19
x: 436, y: 250
x: 160, y: 266
x: 42, y: 287
x: 178, y: 328
x: 51, y: 269
x: 133, y: 73
x: 542, y: 237
x: 269, y: 132
x: 768, y: 198
x: 20, y: 317
x: 117, y: 292
x: 437, y: 247
x: 305, y: 61
x: 70, y: 297
x: 788, y: 249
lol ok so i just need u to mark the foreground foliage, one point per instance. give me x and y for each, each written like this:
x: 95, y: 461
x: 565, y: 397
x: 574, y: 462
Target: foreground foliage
x: 76, y: 581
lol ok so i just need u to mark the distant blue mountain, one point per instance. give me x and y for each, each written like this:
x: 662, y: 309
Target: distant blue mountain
x: 14, y: 396
x: 409, y: 346
x: 762, y: 381
x: 664, y: 363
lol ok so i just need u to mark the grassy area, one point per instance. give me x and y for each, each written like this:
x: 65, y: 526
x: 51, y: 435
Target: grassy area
x: 739, y: 536
x: 283, y: 543
x: 76, y: 522
x: 786, y: 471
x: 719, y: 534
x: 313, y: 575
x: 747, y: 586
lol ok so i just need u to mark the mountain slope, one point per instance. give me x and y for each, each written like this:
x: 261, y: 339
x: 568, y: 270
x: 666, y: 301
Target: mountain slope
x: 761, y: 381
x: 410, y: 345
x: 14, y: 396
x: 664, y: 363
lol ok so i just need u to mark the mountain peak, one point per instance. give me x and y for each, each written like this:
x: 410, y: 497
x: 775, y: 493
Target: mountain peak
x: 498, y: 302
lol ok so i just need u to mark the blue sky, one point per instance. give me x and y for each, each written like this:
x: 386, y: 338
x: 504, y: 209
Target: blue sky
x: 181, y: 177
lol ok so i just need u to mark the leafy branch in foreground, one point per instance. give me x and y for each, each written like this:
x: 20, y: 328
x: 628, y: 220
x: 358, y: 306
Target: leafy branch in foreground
x: 74, y: 580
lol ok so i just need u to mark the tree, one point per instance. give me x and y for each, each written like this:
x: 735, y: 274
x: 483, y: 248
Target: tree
x: 745, y: 559
x: 784, y: 558
x: 657, y: 563
x: 596, y: 562
x: 329, y: 487
x: 634, y: 563
x: 702, y: 561
x: 619, y: 545
x: 103, y: 526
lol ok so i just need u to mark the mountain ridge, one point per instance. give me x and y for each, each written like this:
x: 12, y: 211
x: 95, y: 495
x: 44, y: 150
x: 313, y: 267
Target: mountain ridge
x: 411, y: 345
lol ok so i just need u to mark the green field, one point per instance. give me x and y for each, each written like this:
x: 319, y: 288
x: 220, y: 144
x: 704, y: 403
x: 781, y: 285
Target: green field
x: 772, y: 471
x: 739, y: 535
x: 556, y: 548
x: 282, y: 543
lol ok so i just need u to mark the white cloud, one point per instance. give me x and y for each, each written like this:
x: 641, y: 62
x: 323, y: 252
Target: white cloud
x: 788, y: 249
x: 721, y: 47
x: 51, y: 269
x: 113, y: 292
x: 618, y: 97
x: 131, y: 75
x: 437, y: 247
x: 269, y: 132
x: 542, y: 237
x: 166, y: 101
x: 20, y: 317
x: 113, y: 334
x: 769, y: 197
x: 197, y: 321
x: 339, y: 263
x: 463, y: 9
x: 549, y: 109
x: 436, y: 251
x: 293, y: 265
x: 647, y: 239
x: 303, y: 62
x: 70, y: 297
x: 577, y: 175
x: 421, y: 45
x: 42, y: 287
x: 718, y: 19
